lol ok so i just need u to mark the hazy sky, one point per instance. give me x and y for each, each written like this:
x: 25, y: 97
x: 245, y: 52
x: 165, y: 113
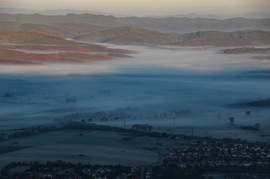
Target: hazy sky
x: 146, y: 7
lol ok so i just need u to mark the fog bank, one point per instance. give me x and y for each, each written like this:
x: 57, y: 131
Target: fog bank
x: 193, y: 85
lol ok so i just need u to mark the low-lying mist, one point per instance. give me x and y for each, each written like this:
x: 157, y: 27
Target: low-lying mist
x: 196, y: 86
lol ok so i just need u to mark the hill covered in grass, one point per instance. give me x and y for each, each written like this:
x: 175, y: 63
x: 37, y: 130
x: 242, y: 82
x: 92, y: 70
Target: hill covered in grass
x: 57, y: 29
x: 225, y: 39
x: 132, y: 35
x: 65, y: 48
x: 129, y: 35
x: 223, y: 42
x: 246, y: 34
x: 78, y: 28
x: 247, y: 50
x: 19, y: 37
x: 16, y: 57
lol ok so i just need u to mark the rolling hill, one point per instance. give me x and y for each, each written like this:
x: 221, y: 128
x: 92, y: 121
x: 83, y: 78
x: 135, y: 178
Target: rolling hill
x: 137, y: 36
x: 223, y: 42
x: 102, y: 20
x: 65, y: 48
x: 15, y: 57
x: 247, y: 34
x: 78, y: 29
x: 129, y: 35
x: 57, y: 29
x: 187, y: 25
x: 19, y: 37
x: 247, y: 50
x: 225, y: 39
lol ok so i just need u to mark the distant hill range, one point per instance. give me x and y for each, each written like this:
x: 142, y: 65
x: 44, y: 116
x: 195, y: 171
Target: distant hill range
x: 250, y: 15
x: 55, y: 12
x: 168, y: 25
x: 190, y: 15
x: 133, y: 30
x: 33, y: 38
x: 31, y: 34
x: 133, y: 35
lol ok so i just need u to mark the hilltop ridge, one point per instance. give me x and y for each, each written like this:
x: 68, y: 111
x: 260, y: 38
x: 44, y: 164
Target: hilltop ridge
x: 243, y: 34
x: 58, y: 29
x: 138, y: 36
x: 129, y: 35
x: 168, y: 24
x: 247, y: 50
x: 20, y: 37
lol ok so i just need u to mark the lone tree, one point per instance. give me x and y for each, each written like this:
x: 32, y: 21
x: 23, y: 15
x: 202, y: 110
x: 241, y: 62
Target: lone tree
x: 257, y: 126
x: 135, y: 127
x: 248, y: 113
x: 150, y: 128
x: 231, y: 119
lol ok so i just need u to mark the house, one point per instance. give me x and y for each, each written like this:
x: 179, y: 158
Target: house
x: 183, y: 165
x: 218, y: 163
x: 246, y: 164
x: 48, y: 174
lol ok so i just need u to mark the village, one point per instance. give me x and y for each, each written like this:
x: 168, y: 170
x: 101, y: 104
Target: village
x: 231, y: 158
x: 221, y: 152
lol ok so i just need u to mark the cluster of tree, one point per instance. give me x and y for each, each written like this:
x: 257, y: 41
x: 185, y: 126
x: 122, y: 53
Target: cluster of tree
x: 92, y: 126
x: 105, y: 92
x: 142, y: 127
x: 8, y: 95
x: 257, y: 126
x: 104, y: 119
x: 160, y: 115
x: 263, y: 103
x: 178, y: 113
x: 3, y: 136
x: 4, y: 170
x: 46, y: 129
x: 20, y: 134
x: 89, y: 120
x: 71, y: 100
x: 231, y: 119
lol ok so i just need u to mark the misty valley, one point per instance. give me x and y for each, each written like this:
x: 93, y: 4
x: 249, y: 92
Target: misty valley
x: 170, y: 88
